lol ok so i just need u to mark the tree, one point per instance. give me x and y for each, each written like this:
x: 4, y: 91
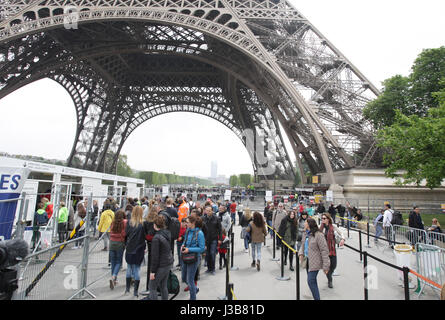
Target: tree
x: 123, y: 169
x: 412, y: 95
x: 245, y: 179
x: 233, y: 180
x: 416, y: 146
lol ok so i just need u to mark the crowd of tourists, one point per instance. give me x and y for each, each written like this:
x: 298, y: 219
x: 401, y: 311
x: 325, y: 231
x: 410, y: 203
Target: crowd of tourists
x: 147, y: 229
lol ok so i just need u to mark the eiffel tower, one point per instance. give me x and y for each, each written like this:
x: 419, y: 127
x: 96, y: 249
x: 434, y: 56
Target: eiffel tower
x: 257, y: 66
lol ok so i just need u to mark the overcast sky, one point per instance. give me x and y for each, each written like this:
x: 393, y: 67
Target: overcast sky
x: 381, y: 38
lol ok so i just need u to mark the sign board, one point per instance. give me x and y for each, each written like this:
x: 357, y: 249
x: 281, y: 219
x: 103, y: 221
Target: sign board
x: 164, y: 191
x: 268, y: 196
x: 228, y: 195
x: 314, y: 179
x: 12, y: 181
x: 329, y: 195
x: 443, y: 207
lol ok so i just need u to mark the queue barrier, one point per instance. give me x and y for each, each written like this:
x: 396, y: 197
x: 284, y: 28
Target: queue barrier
x: 430, y: 262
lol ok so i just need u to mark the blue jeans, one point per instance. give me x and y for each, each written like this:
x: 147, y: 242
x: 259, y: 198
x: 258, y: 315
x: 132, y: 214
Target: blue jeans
x: 116, y: 261
x: 190, y: 271
x: 378, y: 232
x: 256, y: 251
x: 269, y: 222
x: 133, y: 271
x: 312, y: 282
x: 211, y: 255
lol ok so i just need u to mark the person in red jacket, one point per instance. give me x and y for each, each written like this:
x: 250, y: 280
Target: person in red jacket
x: 222, y: 249
x: 180, y: 239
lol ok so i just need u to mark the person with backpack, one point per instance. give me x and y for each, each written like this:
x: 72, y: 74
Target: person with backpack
x: 194, y: 244
x: 40, y: 220
x: 415, y: 222
x: 387, y: 226
x: 161, y: 260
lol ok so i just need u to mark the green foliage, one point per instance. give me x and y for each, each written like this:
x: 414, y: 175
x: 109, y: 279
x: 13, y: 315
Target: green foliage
x: 416, y: 146
x: 412, y: 95
x: 245, y: 179
x: 234, y: 180
x: 123, y: 169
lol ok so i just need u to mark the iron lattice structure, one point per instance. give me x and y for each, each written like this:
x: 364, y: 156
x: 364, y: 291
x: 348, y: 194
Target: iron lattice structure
x: 255, y: 65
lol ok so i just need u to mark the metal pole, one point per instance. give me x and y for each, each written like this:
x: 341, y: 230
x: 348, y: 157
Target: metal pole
x: 365, y: 268
x: 406, y: 282
x: 232, y: 236
x: 19, y: 225
x: 297, y: 274
x: 282, y: 278
x: 367, y: 234
x: 274, y: 245
x: 360, y: 244
x: 230, y: 295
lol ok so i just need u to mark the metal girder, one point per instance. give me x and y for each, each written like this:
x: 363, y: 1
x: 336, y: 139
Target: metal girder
x: 250, y: 64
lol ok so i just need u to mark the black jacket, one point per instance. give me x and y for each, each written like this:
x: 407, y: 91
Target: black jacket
x: 415, y: 221
x: 161, y: 253
x: 293, y: 228
x: 135, y: 244
x: 213, y: 228
x: 268, y: 214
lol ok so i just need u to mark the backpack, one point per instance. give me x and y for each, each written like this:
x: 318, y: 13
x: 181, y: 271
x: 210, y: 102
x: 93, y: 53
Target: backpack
x: 174, y: 227
x: 397, y: 218
x: 172, y: 285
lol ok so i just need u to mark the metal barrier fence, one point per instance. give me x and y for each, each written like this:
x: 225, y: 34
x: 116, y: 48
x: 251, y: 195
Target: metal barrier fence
x: 431, y: 265
x: 50, y: 271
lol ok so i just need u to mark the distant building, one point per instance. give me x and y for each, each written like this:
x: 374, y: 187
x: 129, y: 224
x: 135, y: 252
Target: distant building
x: 214, y: 169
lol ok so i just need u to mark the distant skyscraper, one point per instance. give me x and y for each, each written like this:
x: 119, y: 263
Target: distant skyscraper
x: 214, y: 169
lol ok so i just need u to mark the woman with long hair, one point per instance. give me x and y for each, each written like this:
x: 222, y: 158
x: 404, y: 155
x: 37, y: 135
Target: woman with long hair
x: 257, y: 229
x: 288, y: 231
x: 245, y: 220
x: 331, y: 232
x: 149, y: 234
x: 134, y: 254
x: 315, y: 249
x: 117, y: 245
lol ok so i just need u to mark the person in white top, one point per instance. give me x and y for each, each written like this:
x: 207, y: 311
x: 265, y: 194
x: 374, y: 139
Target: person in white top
x: 387, y: 218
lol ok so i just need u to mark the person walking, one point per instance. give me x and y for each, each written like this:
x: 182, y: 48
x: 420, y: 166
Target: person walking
x: 333, y: 212
x: 257, y: 230
x: 288, y: 232
x: 194, y: 242
x: 106, y: 218
x: 278, y: 215
x: 378, y: 224
x: 222, y: 250
x: 161, y: 259
x: 213, y: 233
x: 117, y: 245
x: 387, y: 218
x: 331, y: 233
x: 301, y: 223
x: 80, y: 215
x: 245, y: 220
x: 226, y: 220
x: 62, y: 222
x: 135, y: 247
x: 268, y: 215
x: 415, y: 221
x: 315, y: 249
x: 149, y: 233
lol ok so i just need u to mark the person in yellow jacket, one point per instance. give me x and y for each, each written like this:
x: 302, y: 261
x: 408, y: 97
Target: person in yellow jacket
x: 106, y: 218
x: 62, y: 222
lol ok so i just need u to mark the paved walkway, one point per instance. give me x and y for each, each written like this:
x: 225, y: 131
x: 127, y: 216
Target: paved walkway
x: 249, y: 284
